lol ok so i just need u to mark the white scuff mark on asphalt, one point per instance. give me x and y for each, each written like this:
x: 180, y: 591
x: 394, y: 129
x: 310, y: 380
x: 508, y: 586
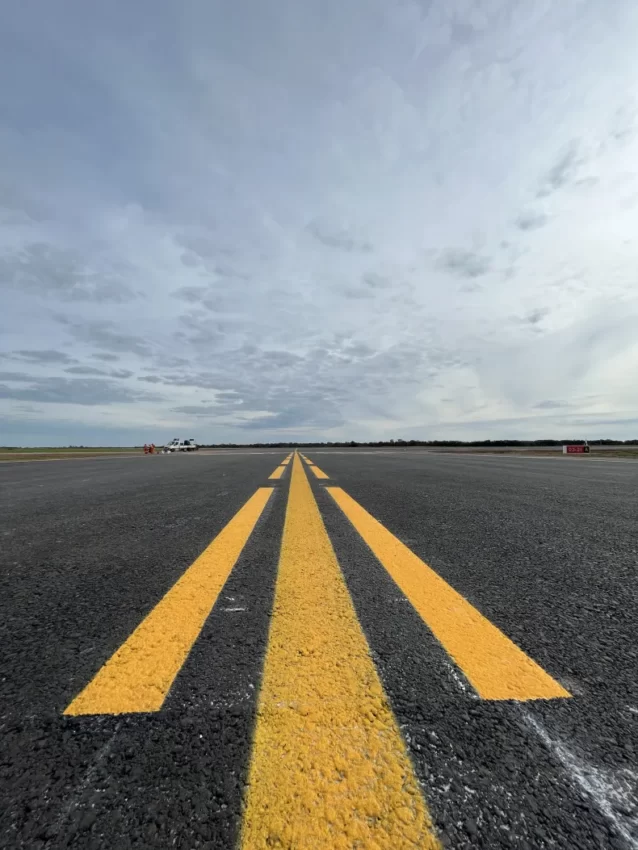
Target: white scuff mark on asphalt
x: 460, y: 681
x: 614, y: 793
x: 230, y: 701
x: 232, y: 610
x: 85, y: 782
x: 572, y: 685
x: 87, y: 649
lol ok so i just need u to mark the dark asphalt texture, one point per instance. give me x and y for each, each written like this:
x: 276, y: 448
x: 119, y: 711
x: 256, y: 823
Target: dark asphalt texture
x: 546, y: 548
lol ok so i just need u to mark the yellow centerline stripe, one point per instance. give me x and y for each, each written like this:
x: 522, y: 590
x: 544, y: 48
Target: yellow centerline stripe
x: 140, y: 673
x: 318, y: 472
x: 494, y: 665
x: 277, y: 473
x: 329, y: 768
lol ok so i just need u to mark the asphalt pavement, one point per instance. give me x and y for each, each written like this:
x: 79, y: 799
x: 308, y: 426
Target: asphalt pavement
x: 369, y: 649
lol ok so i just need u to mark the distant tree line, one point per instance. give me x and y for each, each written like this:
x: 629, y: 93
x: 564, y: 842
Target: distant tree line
x: 377, y: 444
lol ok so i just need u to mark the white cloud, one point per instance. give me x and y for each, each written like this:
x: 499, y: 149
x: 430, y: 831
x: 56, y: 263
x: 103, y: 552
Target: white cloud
x: 371, y: 220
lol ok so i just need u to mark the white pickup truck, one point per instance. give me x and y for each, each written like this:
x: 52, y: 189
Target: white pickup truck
x: 178, y: 445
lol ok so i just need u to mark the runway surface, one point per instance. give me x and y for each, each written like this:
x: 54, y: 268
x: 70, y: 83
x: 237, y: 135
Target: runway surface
x: 341, y: 649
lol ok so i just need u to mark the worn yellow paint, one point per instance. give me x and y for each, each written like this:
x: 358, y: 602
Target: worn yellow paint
x: 494, y: 665
x: 276, y: 475
x: 139, y: 675
x: 329, y: 768
x: 319, y: 473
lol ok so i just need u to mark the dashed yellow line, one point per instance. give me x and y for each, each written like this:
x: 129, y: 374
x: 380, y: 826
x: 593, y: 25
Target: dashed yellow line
x: 315, y: 469
x: 329, y: 768
x: 494, y: 665
x: 276, y: 475
x: 139, y: 675
x: 319, y: 473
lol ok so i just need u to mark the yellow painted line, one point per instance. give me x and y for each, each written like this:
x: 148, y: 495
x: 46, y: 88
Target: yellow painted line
x: 318, y: 472
x: 494, y: 665
x: 329, y: 768
x: 139, y: 675
x: 278, y: 472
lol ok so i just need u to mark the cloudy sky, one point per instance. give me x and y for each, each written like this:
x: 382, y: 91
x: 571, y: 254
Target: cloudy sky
x: 320, y: 219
